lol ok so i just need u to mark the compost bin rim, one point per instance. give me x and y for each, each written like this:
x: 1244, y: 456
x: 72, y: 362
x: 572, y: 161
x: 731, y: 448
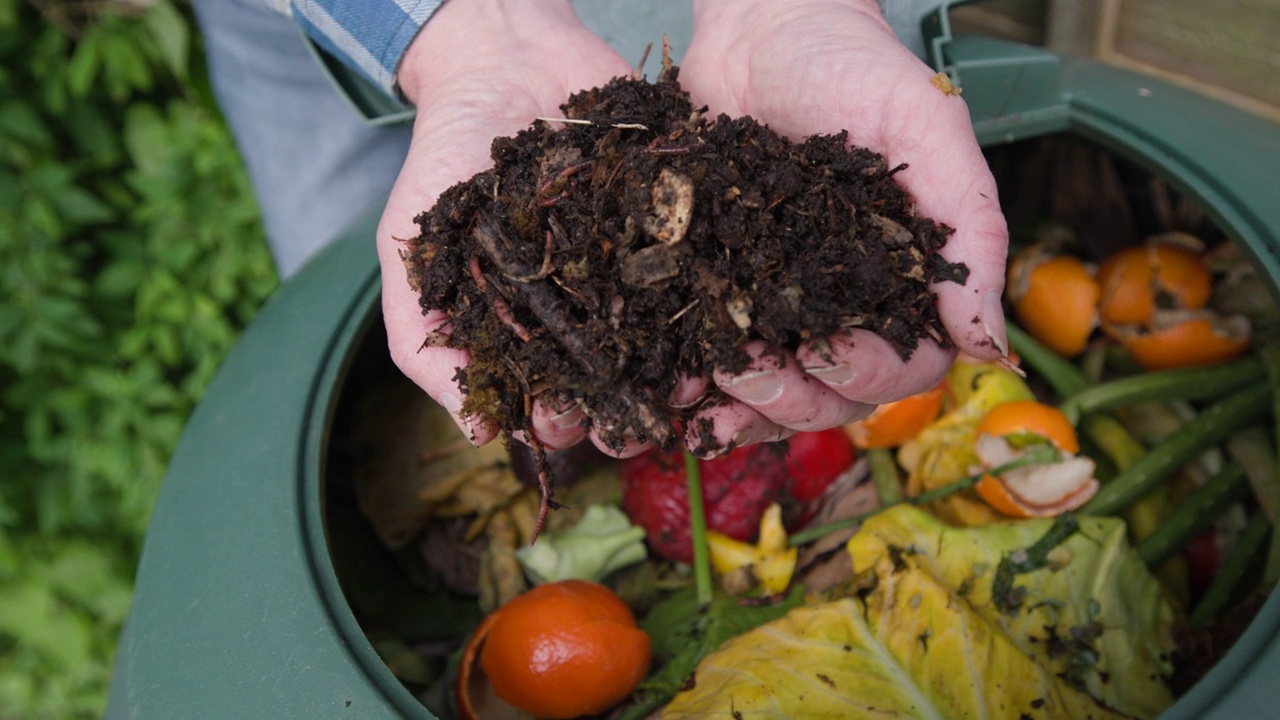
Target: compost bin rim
x: 322, y: 405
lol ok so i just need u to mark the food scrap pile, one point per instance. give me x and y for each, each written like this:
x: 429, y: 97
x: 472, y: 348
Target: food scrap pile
x: 1096, y: 522
x: 635, y: 239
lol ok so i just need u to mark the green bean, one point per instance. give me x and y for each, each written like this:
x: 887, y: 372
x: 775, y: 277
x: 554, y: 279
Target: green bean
x: 1186, y: 384
x: 1114, y: 439
x: 1065, y: 379
x: 1195, y: 514
x: 1231, y: 572
x: 1216, y: 423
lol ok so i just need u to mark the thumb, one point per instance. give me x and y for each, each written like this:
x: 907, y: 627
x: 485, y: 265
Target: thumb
x: 426, y: 173
x: 948, y: 176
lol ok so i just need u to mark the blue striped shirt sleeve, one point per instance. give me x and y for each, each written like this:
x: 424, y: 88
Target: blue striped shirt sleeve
x: 369, y: 36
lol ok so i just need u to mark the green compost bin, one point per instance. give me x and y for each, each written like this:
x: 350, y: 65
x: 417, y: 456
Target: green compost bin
x: 238, y: 613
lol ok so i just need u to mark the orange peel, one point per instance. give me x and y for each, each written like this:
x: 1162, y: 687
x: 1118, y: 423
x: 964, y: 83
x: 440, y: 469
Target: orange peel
x: 1166, y: 272
x: 1055, y: 297
x: 892, y: 424
x: 1040, y: 490
x: 1185, y: 339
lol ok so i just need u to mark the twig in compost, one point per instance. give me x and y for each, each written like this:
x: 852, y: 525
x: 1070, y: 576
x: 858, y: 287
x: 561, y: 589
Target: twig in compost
x: 549, y: 309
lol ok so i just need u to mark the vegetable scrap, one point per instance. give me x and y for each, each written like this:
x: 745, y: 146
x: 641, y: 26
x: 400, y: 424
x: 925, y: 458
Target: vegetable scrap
x: 603, y: 541
x: 560, y: 650
x: 1008, y: 432
x: 767, y: 565
x: 928, y: 640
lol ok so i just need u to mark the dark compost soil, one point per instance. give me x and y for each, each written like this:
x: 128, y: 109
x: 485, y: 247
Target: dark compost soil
x: 602, y: 257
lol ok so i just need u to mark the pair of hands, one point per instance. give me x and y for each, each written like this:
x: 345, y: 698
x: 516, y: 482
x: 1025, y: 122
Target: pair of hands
x: 485, y: 68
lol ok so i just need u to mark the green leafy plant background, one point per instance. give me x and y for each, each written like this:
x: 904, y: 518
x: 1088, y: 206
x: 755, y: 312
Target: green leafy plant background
x: 131, y: 256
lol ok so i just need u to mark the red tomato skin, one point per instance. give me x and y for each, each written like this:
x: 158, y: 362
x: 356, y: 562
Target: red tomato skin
x: 815, y: 460
x: 736, y: 490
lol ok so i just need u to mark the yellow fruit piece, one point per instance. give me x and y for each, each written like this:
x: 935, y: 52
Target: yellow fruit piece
x: 770, y: 562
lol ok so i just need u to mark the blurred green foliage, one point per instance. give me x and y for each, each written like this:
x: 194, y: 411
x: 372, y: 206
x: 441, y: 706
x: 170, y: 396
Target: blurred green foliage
x: 131, y: 256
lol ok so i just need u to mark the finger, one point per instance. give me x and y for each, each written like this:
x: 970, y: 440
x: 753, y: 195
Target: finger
x: 431, y: 368
x: 776, y: 386
x: 717, y: 429
x: 864, y: 367
x: 972, y: 313
x: 559, y: 425
x: 630, y: 446
x: 689, y: 391
x: 948, y: 176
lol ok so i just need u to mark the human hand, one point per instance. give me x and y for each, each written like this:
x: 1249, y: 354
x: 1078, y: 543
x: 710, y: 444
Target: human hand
x: 479, y: 69
x: 806, y: 67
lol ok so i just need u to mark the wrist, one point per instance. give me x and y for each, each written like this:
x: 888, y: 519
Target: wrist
x: 464, y: 33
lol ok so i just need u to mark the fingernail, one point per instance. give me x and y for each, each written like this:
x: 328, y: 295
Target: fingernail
x: 837, y: 374
x: 453, y: 405
x: 570, y: 418
x: 745, y: 436
x: 757, y: 388
x: 689, y: 391
x: 993, y: 321
x: 677, y: 404
x: 710, y: 453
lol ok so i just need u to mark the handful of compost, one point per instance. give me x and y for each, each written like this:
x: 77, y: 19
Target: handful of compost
x: 634, y: 241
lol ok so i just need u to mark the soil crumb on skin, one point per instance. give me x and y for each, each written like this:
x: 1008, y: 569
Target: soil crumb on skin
x: 600, y: 259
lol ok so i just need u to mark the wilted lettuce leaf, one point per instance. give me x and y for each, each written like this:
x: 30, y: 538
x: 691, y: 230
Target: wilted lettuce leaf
x: 928, y: 641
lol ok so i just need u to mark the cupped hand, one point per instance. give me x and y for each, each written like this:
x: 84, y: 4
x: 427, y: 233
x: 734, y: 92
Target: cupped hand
x: 479, y: 69
x: 809, y: 67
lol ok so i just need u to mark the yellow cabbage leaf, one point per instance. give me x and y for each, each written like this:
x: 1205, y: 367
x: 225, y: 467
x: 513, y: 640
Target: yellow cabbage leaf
x: 929, y: 640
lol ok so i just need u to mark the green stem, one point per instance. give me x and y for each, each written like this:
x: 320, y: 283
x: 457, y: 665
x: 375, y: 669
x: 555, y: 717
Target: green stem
x: 698, y: 530
x: 1094, y: 362
x: 1033, y: 456
x: 884, y: 473
x: 1187, y: 384
x: 1215, y: 424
